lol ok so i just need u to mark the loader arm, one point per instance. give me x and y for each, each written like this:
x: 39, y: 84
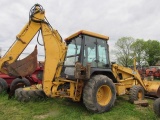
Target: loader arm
x: 55, y: 48
x: 126, y: 75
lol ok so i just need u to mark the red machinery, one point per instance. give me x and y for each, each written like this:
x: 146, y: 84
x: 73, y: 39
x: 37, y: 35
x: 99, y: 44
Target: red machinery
x: 9, y: 83
x: 151, y: 71
x: 157, y: 74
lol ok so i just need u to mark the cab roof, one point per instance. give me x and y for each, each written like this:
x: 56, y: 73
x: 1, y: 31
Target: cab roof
x: 87, y: 33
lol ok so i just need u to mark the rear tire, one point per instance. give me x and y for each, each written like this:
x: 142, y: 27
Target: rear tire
x: 40, y: 93
x: 23, y: 95
x: 1, y: 88
x: 156, y: 106
x: 32, y: 94
x: 136, y: 93
x: 3, y: 85
x: 17, y: 81
x: 18, y: 94
x: 99, y: 94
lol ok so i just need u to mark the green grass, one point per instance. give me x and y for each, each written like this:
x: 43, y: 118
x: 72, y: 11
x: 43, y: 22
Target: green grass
x: 62, y: 109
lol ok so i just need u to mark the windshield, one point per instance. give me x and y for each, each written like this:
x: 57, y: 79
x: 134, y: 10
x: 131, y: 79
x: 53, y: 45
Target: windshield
x: 95, y: 52
x: 73, y: 52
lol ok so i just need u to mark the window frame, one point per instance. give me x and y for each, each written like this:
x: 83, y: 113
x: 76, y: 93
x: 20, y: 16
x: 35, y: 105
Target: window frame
x: 97, y: 58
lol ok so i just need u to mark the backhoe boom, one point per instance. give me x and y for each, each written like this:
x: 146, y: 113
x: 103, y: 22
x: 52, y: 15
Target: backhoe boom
x: 55, y: 49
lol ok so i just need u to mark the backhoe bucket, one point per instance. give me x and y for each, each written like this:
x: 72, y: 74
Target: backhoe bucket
x: 25, y: 66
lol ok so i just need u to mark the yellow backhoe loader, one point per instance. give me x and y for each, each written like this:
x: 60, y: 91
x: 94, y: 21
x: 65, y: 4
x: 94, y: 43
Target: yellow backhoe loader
x: 78, y: 68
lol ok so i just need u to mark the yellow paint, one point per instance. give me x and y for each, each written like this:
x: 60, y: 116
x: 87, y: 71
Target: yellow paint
x: 120, y: 89
x: 55, y: 51
x: 140, y: 95
x: 128, y: 76
x: 104, y: 95
x: 87, y: 33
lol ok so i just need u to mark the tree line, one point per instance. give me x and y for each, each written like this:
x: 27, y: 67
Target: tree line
x: 147, y: 53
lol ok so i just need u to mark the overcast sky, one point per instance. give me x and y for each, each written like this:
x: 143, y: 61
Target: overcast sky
x: 114, y: 18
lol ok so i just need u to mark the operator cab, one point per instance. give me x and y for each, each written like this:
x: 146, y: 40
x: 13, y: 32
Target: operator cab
x: 86, y: 47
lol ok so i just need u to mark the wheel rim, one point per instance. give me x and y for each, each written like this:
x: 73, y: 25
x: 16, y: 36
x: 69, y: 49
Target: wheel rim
x: 140, y: 95
x: 104, y: 95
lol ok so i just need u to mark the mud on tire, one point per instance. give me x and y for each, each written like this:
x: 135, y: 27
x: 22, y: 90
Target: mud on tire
x: 136, y: 93
x: 99, y: 94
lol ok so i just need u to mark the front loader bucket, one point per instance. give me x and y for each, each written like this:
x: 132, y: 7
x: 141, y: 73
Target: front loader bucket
x: 153, y: 88
x: 25, y: 66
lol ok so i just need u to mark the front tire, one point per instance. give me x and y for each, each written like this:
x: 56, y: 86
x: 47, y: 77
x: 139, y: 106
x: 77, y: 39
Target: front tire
x: 136, y: 93
x: 156, y: 107
x: 99, y: 94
